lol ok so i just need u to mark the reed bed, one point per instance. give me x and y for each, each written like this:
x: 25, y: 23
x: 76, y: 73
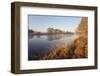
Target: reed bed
x: 77, y: 49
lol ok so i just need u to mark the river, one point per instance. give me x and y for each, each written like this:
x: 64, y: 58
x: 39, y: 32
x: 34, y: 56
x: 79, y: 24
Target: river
x: 39, y: 45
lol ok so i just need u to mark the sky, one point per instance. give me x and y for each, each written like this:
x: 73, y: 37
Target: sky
x: 40, y: 23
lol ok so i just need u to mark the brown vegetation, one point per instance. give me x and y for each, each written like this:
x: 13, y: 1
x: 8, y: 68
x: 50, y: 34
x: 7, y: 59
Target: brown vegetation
x: 81, y: 44
x: 58, y: 52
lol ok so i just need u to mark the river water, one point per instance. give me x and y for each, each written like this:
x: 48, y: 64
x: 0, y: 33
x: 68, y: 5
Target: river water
x: 39, y: 45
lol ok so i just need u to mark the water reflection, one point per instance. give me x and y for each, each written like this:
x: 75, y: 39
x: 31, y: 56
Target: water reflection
x: 48, y: 37
x: 40, y: 45
x: 30, y: 36
x: 55, y: 37
x: 38, y: 36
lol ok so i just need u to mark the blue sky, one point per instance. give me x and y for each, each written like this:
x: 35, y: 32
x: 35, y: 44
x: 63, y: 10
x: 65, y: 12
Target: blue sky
x: 65, y: 23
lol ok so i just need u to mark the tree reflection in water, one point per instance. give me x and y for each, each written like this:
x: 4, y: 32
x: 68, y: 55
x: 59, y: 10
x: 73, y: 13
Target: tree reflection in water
x: 49, y: 37
x: 55, y: 37
x: 38, y: 36
x: 30, y: 36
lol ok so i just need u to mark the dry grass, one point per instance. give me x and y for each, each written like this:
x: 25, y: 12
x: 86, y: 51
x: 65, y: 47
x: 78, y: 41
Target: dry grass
x: 78, y: 49
x: 81, y: 46
x: 58, y: 52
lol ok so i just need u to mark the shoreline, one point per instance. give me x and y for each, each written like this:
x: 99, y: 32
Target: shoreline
x: 52, y: 34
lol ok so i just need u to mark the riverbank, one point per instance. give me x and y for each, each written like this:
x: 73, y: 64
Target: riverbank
x: 77, y: 49
x: 60, y: 51
x: 71, y: 33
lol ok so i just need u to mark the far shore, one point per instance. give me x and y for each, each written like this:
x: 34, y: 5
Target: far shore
x: 50, y: 33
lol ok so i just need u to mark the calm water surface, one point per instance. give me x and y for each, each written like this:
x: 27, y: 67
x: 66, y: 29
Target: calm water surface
x: 39, y: 45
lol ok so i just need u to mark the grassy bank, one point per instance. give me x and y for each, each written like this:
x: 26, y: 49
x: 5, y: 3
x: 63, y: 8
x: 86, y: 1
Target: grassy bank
x: 78, y: 49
